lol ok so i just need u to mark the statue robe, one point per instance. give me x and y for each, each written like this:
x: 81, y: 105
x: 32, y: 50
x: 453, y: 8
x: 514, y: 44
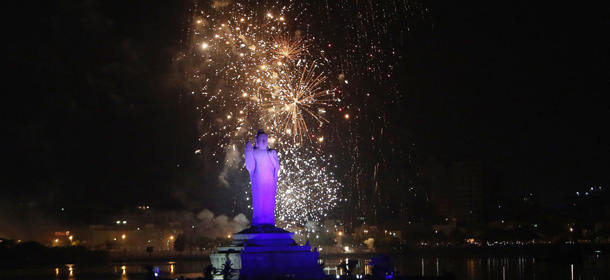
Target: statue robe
x: 264, y: 187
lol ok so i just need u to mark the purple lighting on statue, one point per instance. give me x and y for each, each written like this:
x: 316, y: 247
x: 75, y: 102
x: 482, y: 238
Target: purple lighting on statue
x: 264, y: 251
x: 264, y: 167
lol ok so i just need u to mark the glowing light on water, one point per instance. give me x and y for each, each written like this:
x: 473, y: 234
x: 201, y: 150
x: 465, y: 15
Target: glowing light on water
x: 70, y: 269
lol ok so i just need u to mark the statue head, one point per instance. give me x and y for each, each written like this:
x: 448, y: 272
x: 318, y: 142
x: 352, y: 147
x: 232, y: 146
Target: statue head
x: 261, y: 139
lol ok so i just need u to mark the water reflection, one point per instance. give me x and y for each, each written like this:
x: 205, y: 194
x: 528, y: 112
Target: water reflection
x: 473, y: 266
x: 70, y: 271
x: 476, y: 268
x: 437, y: 268
x: 120, y: 271
x: 483, y: 268
x: 367, y: 267
x: 124, y: 273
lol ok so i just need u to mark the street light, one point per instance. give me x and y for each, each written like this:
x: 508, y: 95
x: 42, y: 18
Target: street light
x: 171, y: 237
x: 123, y: 238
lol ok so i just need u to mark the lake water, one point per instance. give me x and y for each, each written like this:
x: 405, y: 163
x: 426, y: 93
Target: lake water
x: 593, y: 266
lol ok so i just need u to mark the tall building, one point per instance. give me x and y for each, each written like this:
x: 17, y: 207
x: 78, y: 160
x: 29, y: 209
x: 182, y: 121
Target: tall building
x: 455, y: 189
x: 468, y: 191
x: 435, y: 178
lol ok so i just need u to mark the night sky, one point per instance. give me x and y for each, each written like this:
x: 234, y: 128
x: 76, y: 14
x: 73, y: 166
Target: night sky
x: 94, y: 119
x: 518, y: 85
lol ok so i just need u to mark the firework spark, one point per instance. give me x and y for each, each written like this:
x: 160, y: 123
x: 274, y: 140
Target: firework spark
x: 254, y: 75
x: 295, y: 97
x: 285, y: 48
x: 316, y: 188
x: 245, y: 69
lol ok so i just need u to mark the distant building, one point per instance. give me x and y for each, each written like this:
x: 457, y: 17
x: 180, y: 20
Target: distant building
x: 334, y: 225
x: 365, y: 230
x: 455, y: 189
x: 130, y: 238
x: 435, y: 178
x: 468, y: 191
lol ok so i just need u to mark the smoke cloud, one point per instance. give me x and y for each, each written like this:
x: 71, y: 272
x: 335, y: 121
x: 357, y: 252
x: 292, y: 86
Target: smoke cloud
x: 369, y: 243
x: 221, y: 225
x: 25, y: 221
x: 220, y: 4
x: 232, y: 159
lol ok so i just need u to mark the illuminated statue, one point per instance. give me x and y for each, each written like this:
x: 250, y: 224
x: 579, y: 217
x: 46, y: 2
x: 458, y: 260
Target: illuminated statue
x: 264, y: 167
x: 264, y: 251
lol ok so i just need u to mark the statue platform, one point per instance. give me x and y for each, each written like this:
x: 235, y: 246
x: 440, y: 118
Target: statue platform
x: 268, y: 252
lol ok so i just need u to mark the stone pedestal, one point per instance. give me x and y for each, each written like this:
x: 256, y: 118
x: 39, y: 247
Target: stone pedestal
x: 268, y: 253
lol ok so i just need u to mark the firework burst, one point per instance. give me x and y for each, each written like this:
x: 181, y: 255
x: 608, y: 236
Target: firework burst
x: 296, y: 96
x: 307, y: 190
x: 253, y: 74
x: 285, y: 48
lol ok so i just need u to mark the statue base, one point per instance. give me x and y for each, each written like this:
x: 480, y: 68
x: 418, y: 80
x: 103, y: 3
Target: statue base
x: 267, y: 252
